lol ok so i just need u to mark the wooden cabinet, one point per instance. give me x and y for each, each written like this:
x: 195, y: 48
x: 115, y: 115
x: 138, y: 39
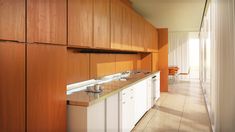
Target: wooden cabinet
x: 12, y: 22
x: 126, y: 28
x: 80, y: 23
x: 154, y: 39
x: 46, y: 21
x: 101, y: 65
x: 102, y: 24
x: 116, y: 24
x: 12, y: 87
x: 137, y: 32
x: 78, y: 67
x: 46, y: 88
x: 148, y: 36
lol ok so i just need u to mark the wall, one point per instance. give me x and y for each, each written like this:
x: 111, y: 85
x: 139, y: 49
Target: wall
x: 163, y: 58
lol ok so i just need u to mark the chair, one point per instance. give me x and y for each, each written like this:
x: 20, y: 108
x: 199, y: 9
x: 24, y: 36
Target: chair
x: 185, y: 73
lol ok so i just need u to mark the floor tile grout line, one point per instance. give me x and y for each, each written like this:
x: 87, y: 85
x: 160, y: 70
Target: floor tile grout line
x: 182, y: 112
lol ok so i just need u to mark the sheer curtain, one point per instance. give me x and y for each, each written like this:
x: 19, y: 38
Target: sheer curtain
x: 218, y: 34
x: 178, y: 53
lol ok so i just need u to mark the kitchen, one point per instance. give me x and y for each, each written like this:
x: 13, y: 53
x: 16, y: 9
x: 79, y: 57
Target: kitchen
x: 78, y: 65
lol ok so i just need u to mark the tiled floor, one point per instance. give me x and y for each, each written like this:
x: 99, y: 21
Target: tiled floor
x: 182, y: 109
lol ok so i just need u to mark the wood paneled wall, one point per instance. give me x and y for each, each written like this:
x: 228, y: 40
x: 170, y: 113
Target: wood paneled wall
x: 84, y: 66
x: 163, y: 57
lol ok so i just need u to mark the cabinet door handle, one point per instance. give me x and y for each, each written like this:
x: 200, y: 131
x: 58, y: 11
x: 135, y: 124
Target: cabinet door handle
x: 124, y: 94
x: 131, y: 97
x: 123, y: 102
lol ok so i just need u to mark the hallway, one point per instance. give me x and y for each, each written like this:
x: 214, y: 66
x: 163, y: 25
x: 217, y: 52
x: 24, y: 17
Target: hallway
x: 181, y: 109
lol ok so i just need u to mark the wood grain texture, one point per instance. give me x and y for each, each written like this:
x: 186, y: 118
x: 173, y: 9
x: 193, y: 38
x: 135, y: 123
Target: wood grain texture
x: 102, y: 23
x: 101, y: 65
x: 155, y: 61
x: 12, y: 22
x: 46, y: 88
x: 124, y: 62
x: 46, y: 21
x: 146, y: 62
x: 126, y: 28
x: 163, y: 58
x: 116, y: 24
x: 80, y: 22
x: 148, y: 36
x: 137, y: 32
x: 78, y: 67
x: 155, y: 40
x: 12, y: 87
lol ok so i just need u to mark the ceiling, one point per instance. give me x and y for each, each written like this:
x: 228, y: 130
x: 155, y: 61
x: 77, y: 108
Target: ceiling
x: 176, y: 15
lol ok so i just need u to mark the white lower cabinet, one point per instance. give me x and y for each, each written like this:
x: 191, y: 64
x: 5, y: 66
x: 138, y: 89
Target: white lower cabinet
x: 86, y: 119
x: 112, y: 113
x: 126, y: 110
x: 117, y: 113
x: 140, y: 100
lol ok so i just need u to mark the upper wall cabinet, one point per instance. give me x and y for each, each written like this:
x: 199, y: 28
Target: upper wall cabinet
x: 137, y: 32
x: 102, y: 24
x: 148, y: 36
x: 116, y: 24
x: 12, y: 21
x: 154, y: 39
x: 126, y: 28
x: 46, y: 21
x: 80, y: 22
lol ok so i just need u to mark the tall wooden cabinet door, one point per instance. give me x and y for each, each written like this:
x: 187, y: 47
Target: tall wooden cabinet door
x: 80, y: 22
x: 12, y: 22
x: 137, y: 32
x: 126, y: 28
x: 46, y: 21
x: 101, y: 65
x: 102, y: 24
x: 148, y: 34
x: 46, y: 88
x: 12, y: 87
x: 78, y: 67
x: 116, y: 24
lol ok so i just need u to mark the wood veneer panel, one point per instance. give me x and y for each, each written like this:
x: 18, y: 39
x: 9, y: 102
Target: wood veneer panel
x: 12, y: 22
x: 137, y: 32
x: 12, y: 87
x: 46, y: 21
x: 163, y: 58
x: 146, y: 62
x: 116, y: 24
x: 155, y: 61
x: 46, y: 88
x: 101, y: 65
x: 124, y: 62
x: 80, y: 22
x: 126, y: 28
x: 78, y: 67
x: 102, y: 23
